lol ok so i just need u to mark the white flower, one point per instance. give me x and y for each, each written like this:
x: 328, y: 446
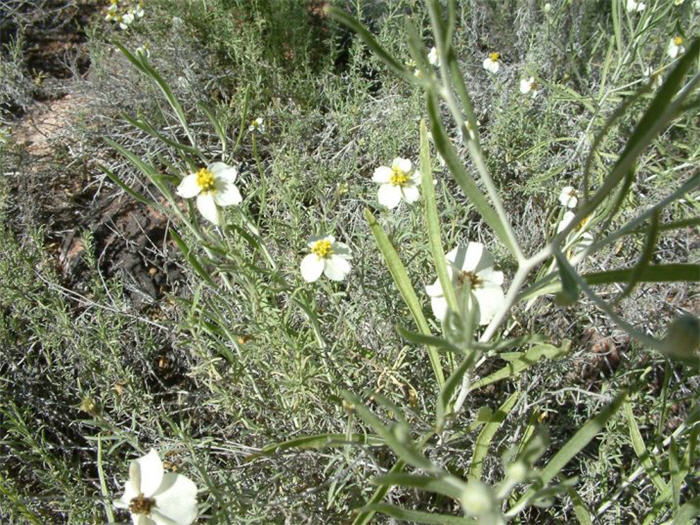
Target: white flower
x: 257, y: 124
x: 654, y: 79
x: 155, y: 497
x: 568, y: 197
x: 327, y: 257
x: 433, y: 57
x: 528, y: 85
x: 126, y: 20
x: 213, y: 186
x: 632, y: 5
x: 144, y: 50
x: 397, y: 182
x: 578, y: 239
x: 493, y: 62
x: 678, y: 2
x: 471, y: 263
x: 547, y: 7
x: 675, y: 46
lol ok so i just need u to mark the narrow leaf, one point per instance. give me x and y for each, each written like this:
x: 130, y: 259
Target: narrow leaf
x: 572, y: 447
x: 530, y: 358
x: 191, y: 258
x: 403, y: 447
x: 369, y: 40
x: 447, y: 391
x: 433, y: 222
x: 142, y: 64
x: 133, y: 193
x: 641, y: 450
x: 583, y: 515
x: 428, y: 340
x: 645, y: 257
x: 317, y: 442
x: 462, y: 176
x: 415, y: 516
x: 366, y: 513
x: 403, y: 283
x: 569, y: 287
x: 481, y: 447
x: 451, y: 489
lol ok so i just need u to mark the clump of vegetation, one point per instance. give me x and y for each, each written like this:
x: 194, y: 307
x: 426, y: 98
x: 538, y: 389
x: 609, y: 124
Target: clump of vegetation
x: 429, y: 261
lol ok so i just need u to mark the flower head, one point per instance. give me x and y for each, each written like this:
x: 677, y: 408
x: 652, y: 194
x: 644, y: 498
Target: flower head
x: 568, y: 197
x: 327, y: 257
x: 213, y: 186
x: 528, y: 85
x: 433, y: 57
x: 655, y: 80
x: 493, y: 62
x: 633, y: 5
x: 472, y: 264
x: 675, y: 46
x: 126, y: 19
x: 155, y: 497
x: 258, y: 125
x: 144, y: 50
x: 578, y: 240
x: 397, y: 182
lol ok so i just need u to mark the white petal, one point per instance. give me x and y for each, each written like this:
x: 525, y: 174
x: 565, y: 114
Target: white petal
x: 403, y: 164
x: 342, y: 250
x: 132, y: 487
x: 416, y: 177
x: 525, y: 86
x: 207, y: 207
x: 227, y: 193
x: 382, y: 175
x: 389, y: 195
x: 141, y: 519
x: 311, y: 267
x: 410, y: 193
x: 471, y: 258
x: 188, y: 187
x: 157, y: 518
x: 565, y: 220
x: 567, y: 197
x: 146, y: 473
x: 222, y: 170
x: 337, y: 268
x: 490, y: 299
x: 176, y: 499
x: 491, y: 277
x: 433, y: 57
x: 435, y: 289
x: 439, y: 306
x: 491, y: 65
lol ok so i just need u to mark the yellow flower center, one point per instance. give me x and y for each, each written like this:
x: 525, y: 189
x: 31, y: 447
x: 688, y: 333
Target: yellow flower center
x: 205, y: 180
x: 474, y: 280
x: 398, y: 177
x: 141, y: 504
x: 495, y: 56
x: 678, y: 40
x: 322, y: 248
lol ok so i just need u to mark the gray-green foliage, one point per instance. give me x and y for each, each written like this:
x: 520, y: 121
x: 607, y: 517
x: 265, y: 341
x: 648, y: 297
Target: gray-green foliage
x: 268, y: 358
